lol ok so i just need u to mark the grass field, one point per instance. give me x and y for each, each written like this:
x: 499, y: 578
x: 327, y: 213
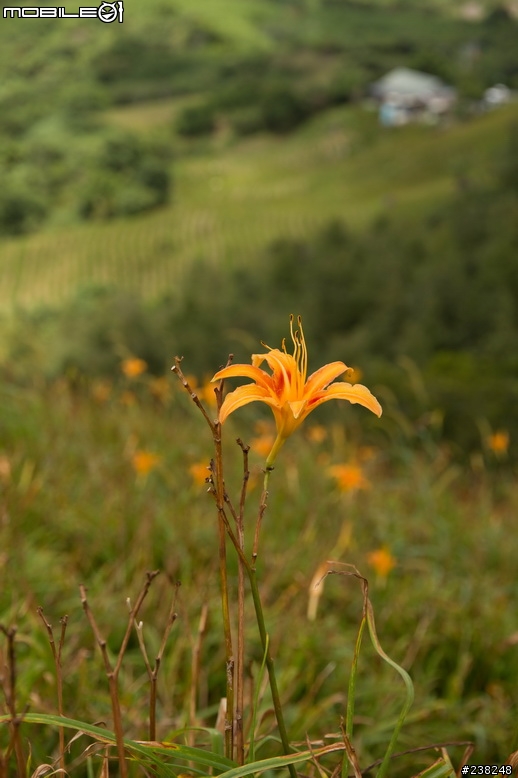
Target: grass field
x: 231, y: 198
x: 80, y: 507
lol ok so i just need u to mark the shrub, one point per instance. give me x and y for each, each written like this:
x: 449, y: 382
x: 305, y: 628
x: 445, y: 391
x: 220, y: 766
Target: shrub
x: 282, y: 109
x: 196, y: 120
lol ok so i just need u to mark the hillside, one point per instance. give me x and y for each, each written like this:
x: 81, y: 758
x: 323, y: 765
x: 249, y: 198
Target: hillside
x: 232, y: 198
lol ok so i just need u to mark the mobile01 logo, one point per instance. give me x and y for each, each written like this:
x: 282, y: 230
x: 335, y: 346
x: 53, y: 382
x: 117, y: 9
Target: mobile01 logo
x: 106, y: 12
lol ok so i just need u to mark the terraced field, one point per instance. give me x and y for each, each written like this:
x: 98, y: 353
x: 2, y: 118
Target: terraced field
x: 232, y: 198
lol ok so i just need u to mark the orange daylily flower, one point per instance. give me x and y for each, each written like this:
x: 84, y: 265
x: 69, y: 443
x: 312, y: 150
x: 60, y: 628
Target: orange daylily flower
x: 349, y: 477
x: 199, y: 472
x: 290, y: 396
x: 382, y: 561
x: 262, y: 444
x: 317, y: 433
x: 498, y: 442
x: 144, y: 461
x: 133, y: 367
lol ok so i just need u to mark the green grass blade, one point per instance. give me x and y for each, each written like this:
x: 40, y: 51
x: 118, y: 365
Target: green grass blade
x: 351, y: 693
x: 152, y: 751
x: 439, y: 769
x: 149, y: 750
x: 275, y: 762
x: 408, y: 685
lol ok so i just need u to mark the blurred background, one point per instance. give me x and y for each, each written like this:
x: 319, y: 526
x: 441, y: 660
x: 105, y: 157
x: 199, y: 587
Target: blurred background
x: 180, y: 183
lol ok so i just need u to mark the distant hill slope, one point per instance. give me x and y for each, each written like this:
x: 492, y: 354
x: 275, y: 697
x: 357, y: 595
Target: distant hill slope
x: 230, y: 202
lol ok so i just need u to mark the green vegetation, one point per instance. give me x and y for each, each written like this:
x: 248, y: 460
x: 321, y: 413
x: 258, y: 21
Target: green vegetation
x: 176, y: 186
x: 79, y: 512
x: 435, y: 284
x: 230, y: 201
x: 248, y: 66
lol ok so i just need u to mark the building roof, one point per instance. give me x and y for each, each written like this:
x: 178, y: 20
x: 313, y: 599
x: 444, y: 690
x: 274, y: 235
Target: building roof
x: 409, y: 83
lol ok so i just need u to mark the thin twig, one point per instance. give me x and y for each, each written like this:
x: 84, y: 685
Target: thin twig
x: 240, y: 659
x: 251, y: 572
x: 112, y: 681
x: 158, y: 661
x: 150, y: 576
x: 467, y: 743
x: 113, y: 672
x: 59, y: 674
x: 246, y: 477
x: 196, y: 663
x: 219, y: 493
x: 194, y: 397
x: 219, y: 485
x: 10, y: 695
x: 153, y: 671
x: 351, y: 753
x: 262, y: 508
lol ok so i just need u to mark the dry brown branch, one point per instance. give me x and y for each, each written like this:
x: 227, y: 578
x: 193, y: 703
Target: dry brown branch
x: 219, y: 492
x: 9, y: 690
x: 194, y: 397
x: 240, y: 659
x: 262, y: 508
x: 153, y: 672
x: 113, y: 672
x: 57, y: 654
x: 469, y: 750
x: 196, y: 663
x: 351, y: 753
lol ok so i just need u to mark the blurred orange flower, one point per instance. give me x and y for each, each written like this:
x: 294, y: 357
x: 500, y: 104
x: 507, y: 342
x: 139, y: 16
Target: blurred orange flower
x: 144, y: 461
x: 263, y: 444
x: 199, y: 472
x: 191, y: 380
x: 264, y: 427
x: 290, y: 396
x: 133, y: 367
x: 349, y: 477
x: 498, y: 442
x: 206, y: 392
x: 381, y: 561
x: 316, y: 433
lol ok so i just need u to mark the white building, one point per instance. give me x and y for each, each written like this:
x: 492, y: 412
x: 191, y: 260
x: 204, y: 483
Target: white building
x: 406, y: 95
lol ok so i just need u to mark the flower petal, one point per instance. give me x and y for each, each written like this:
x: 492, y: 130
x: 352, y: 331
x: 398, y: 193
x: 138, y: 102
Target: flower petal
x: 244, y: 371
x: 284, y: 369
x: 242, y: 396
x: 323, y: 376
x: 297, y: 407
x: 356, y: 393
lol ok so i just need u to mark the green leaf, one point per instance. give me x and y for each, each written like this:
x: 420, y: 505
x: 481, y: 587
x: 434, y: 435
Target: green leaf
x: 274, y: 763
x: 408, y: 684
x: 146, y: 749
x: 439, y: 769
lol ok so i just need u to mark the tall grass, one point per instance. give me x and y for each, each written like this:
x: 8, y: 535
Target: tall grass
x: 77, y: 508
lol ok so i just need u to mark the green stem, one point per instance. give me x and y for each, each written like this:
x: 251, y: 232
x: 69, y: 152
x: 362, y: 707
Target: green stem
x: 269, y: 664
x: 279, y: 442
x: 351, y: 694
x: 383, y: 770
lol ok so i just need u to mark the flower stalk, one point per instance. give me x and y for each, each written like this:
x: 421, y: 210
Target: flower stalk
x: 291, y: 396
